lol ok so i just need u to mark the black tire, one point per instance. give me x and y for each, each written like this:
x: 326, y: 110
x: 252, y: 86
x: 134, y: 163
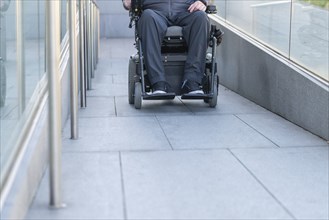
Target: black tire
x: 213, y: 101
x: 131, y: 80
x: 138, y: 95
x: 3, y: 85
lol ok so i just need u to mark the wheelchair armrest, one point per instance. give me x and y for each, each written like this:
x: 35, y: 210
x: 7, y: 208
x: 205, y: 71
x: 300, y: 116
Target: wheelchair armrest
x: 211, y: 9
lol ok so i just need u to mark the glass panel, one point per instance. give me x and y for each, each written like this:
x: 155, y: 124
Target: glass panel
x: 298, y: 29
x: 42, y: 37
x: 310, y: 37
x: 31, y: 46
x: 268, y: 21
x: 221, y: 7
x: 17, y: 89
x: 63, y: 18
x: 9, y: 90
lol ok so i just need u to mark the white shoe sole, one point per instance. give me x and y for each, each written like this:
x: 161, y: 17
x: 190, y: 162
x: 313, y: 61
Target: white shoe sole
x: 159, y: 92
x: 196, y: 92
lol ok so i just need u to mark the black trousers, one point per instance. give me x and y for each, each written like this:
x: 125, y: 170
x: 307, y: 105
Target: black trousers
x: 152, y: 27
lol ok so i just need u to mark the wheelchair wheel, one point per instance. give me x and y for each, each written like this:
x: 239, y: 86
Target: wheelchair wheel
x: 213, y: 101
x: 131, y: 81
x: 138, y: 95
x: 3, y: 85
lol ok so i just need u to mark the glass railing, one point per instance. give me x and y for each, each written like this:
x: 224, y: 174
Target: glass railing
x: 297, y: 29
x: 23, y: 82
x: 22, y: 41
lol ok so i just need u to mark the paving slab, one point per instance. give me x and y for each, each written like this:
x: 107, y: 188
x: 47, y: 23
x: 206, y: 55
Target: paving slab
x: 194, y: 185
x: 228, y: 102
x: 182, y: 159
x: 113, y: 66
x: 117, y: 134
x: 107, y: 89
x: 121, y: 79
x: 298, y: 177
x: 281, y: 131
x: 122, y: 48
x: 91, y: 189
x: 151, y: 107
x: 98, y: 107
x: 212, y: 131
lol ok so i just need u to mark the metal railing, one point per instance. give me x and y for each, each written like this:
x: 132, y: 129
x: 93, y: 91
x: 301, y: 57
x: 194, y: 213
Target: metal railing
x: 83, y: 29
x: 87, y: 24
x: 89, y: 45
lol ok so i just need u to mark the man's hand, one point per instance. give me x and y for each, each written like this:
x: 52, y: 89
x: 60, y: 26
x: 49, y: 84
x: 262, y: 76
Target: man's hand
x: 126, y: 4
x: 197, y: 6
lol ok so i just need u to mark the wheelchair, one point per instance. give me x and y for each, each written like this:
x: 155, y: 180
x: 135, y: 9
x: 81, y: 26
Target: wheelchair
x: 174, y: 54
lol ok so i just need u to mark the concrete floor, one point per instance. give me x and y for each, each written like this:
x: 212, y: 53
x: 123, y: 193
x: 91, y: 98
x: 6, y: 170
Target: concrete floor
x: 183, y: 160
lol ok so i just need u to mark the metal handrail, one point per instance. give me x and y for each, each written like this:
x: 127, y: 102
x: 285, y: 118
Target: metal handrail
x: 88, y: 39
x: 72, y: 13
x: 53, y: 87
x: 52, y: 64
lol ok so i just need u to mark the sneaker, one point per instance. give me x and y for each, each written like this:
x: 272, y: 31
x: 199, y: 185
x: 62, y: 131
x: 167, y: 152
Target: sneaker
x: 159, y: 88
x: 191, y: 88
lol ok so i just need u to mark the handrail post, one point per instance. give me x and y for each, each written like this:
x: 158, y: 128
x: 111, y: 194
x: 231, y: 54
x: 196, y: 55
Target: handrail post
x: 20, y: 58
x: 88, y: 46
x: 83, y: 72
x: 92, y: 39
x: 52, y: 67
x: 98, y: 35
x: 73, y: 69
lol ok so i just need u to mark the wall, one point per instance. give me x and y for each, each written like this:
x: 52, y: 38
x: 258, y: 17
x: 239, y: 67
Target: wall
x: 114, y: 20
x: 273, y: 82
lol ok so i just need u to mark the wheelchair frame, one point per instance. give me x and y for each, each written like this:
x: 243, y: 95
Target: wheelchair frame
x: 137, y: 88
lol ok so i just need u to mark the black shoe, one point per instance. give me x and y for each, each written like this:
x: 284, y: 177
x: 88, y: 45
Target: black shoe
x: 191, y: 88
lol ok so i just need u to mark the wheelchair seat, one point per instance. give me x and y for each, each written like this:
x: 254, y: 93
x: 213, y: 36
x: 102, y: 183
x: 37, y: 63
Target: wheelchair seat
x: 174, y: 31
x: 174, y: 41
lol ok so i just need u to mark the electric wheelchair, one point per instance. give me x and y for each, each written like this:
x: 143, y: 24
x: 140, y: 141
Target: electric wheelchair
x: 174, y: 53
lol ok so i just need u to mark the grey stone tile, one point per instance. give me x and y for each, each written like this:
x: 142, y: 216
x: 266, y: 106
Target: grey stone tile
x: 121, y: 79
x: 298, y: 177
x: 102, y: 79
x: 108, y: 89
x: 113, y: 66
x: 91, y: 189
x: 121, y: 65
x: 203, y: 132
x: 98, y: 107
x: 122, y: 47
x: 193, y: 185
x: 116, y: 48
x: 228, y: 103
x: 151, y: 107
x: 114, y: 134
x: 281, y: 131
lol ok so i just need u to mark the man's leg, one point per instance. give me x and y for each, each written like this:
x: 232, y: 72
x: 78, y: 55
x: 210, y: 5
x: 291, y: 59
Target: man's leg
x: 152, y: 28
x: 196, y: 28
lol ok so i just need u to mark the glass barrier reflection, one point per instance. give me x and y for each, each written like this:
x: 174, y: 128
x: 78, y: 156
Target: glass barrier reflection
x: 298, y: 30
x: 22, y: 60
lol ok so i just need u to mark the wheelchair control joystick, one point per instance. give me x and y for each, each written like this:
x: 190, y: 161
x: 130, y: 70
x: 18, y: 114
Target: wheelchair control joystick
x: 217, y: 33
x: 135, y: 11
x: 211, y: 9
x: 219, y: 36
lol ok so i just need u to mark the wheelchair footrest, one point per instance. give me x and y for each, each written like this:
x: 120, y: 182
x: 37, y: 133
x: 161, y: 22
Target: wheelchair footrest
x: 196, y: 96
x: 164, y: 96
